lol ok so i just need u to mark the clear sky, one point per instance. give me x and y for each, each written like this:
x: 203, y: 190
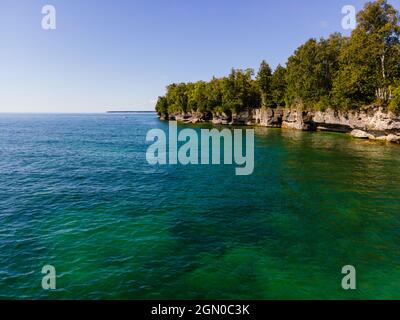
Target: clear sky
x: 120, y: 54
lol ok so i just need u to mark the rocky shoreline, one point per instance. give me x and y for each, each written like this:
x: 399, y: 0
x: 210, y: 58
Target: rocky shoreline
x: 374, y: 123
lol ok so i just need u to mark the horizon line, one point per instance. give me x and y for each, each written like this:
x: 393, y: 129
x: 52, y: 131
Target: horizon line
x: 67, y: 112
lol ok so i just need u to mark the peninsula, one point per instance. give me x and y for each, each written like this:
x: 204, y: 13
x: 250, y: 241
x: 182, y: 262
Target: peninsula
x: 345, y: 84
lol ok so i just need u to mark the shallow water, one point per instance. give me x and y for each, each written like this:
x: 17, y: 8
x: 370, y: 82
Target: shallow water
x: 77, y: 193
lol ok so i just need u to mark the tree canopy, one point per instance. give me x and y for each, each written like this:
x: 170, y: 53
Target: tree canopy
x: 340, y: 72
x: 370, y: 60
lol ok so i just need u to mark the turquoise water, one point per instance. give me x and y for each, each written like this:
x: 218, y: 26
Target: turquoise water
x: 77, y: 193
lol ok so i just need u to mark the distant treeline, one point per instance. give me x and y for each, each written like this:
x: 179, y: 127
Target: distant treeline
x: 339, y: 72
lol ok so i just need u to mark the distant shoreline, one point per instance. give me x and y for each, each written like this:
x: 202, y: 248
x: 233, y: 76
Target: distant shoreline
x: 131, y: 112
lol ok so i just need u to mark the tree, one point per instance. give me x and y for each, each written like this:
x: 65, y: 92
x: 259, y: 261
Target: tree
x: 263, y: 80
x: 369, y: 63
x: 239, y: 91
x: 214, y: 94
x: 394, y: 104
x: 162, y: 105
x: 312, y: 69
x: 177, y: 98
x: 380, y: 22
x: 198, y: 97
x: 278, y: 86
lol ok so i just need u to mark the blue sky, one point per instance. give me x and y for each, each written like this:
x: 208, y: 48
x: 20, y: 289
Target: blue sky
x: 120, y: 54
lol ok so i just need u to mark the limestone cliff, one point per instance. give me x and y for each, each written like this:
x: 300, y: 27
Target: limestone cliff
x: 370, y: 122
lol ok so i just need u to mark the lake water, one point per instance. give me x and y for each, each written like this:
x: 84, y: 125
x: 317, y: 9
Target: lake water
x: 77, y: 193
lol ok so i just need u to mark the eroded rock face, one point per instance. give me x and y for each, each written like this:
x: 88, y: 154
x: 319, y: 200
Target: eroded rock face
x: 365, y: 123
x: 243, y: 118
x: 189, y: 117
x: 375, y: 123
x: 367, y: 119
x: 268, y: 117
x: 298, y: 119
x: 221, y: 118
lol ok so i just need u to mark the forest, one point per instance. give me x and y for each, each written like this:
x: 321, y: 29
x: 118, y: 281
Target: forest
x: 338, y: 72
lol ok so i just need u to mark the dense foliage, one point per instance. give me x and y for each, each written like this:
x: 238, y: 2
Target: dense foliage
x: 340, y: 72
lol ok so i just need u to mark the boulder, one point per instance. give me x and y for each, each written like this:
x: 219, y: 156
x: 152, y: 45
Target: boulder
x: 393, y: 138
x: 359, y: 134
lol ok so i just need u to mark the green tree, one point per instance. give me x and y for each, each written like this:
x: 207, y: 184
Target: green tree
x: 239, y: 91
x: 162, y: 105
x: 394, y: 104
x: 312, y: 69
x: 214, y: 94
x: 177, y: 98
x: 278, y: 86
x: 369, y: 62
x: 263, y: 80
x: 197, y: 96
x: 301, y: 76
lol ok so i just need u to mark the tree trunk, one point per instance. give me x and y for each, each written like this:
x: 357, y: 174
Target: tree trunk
x: 382, y: 93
